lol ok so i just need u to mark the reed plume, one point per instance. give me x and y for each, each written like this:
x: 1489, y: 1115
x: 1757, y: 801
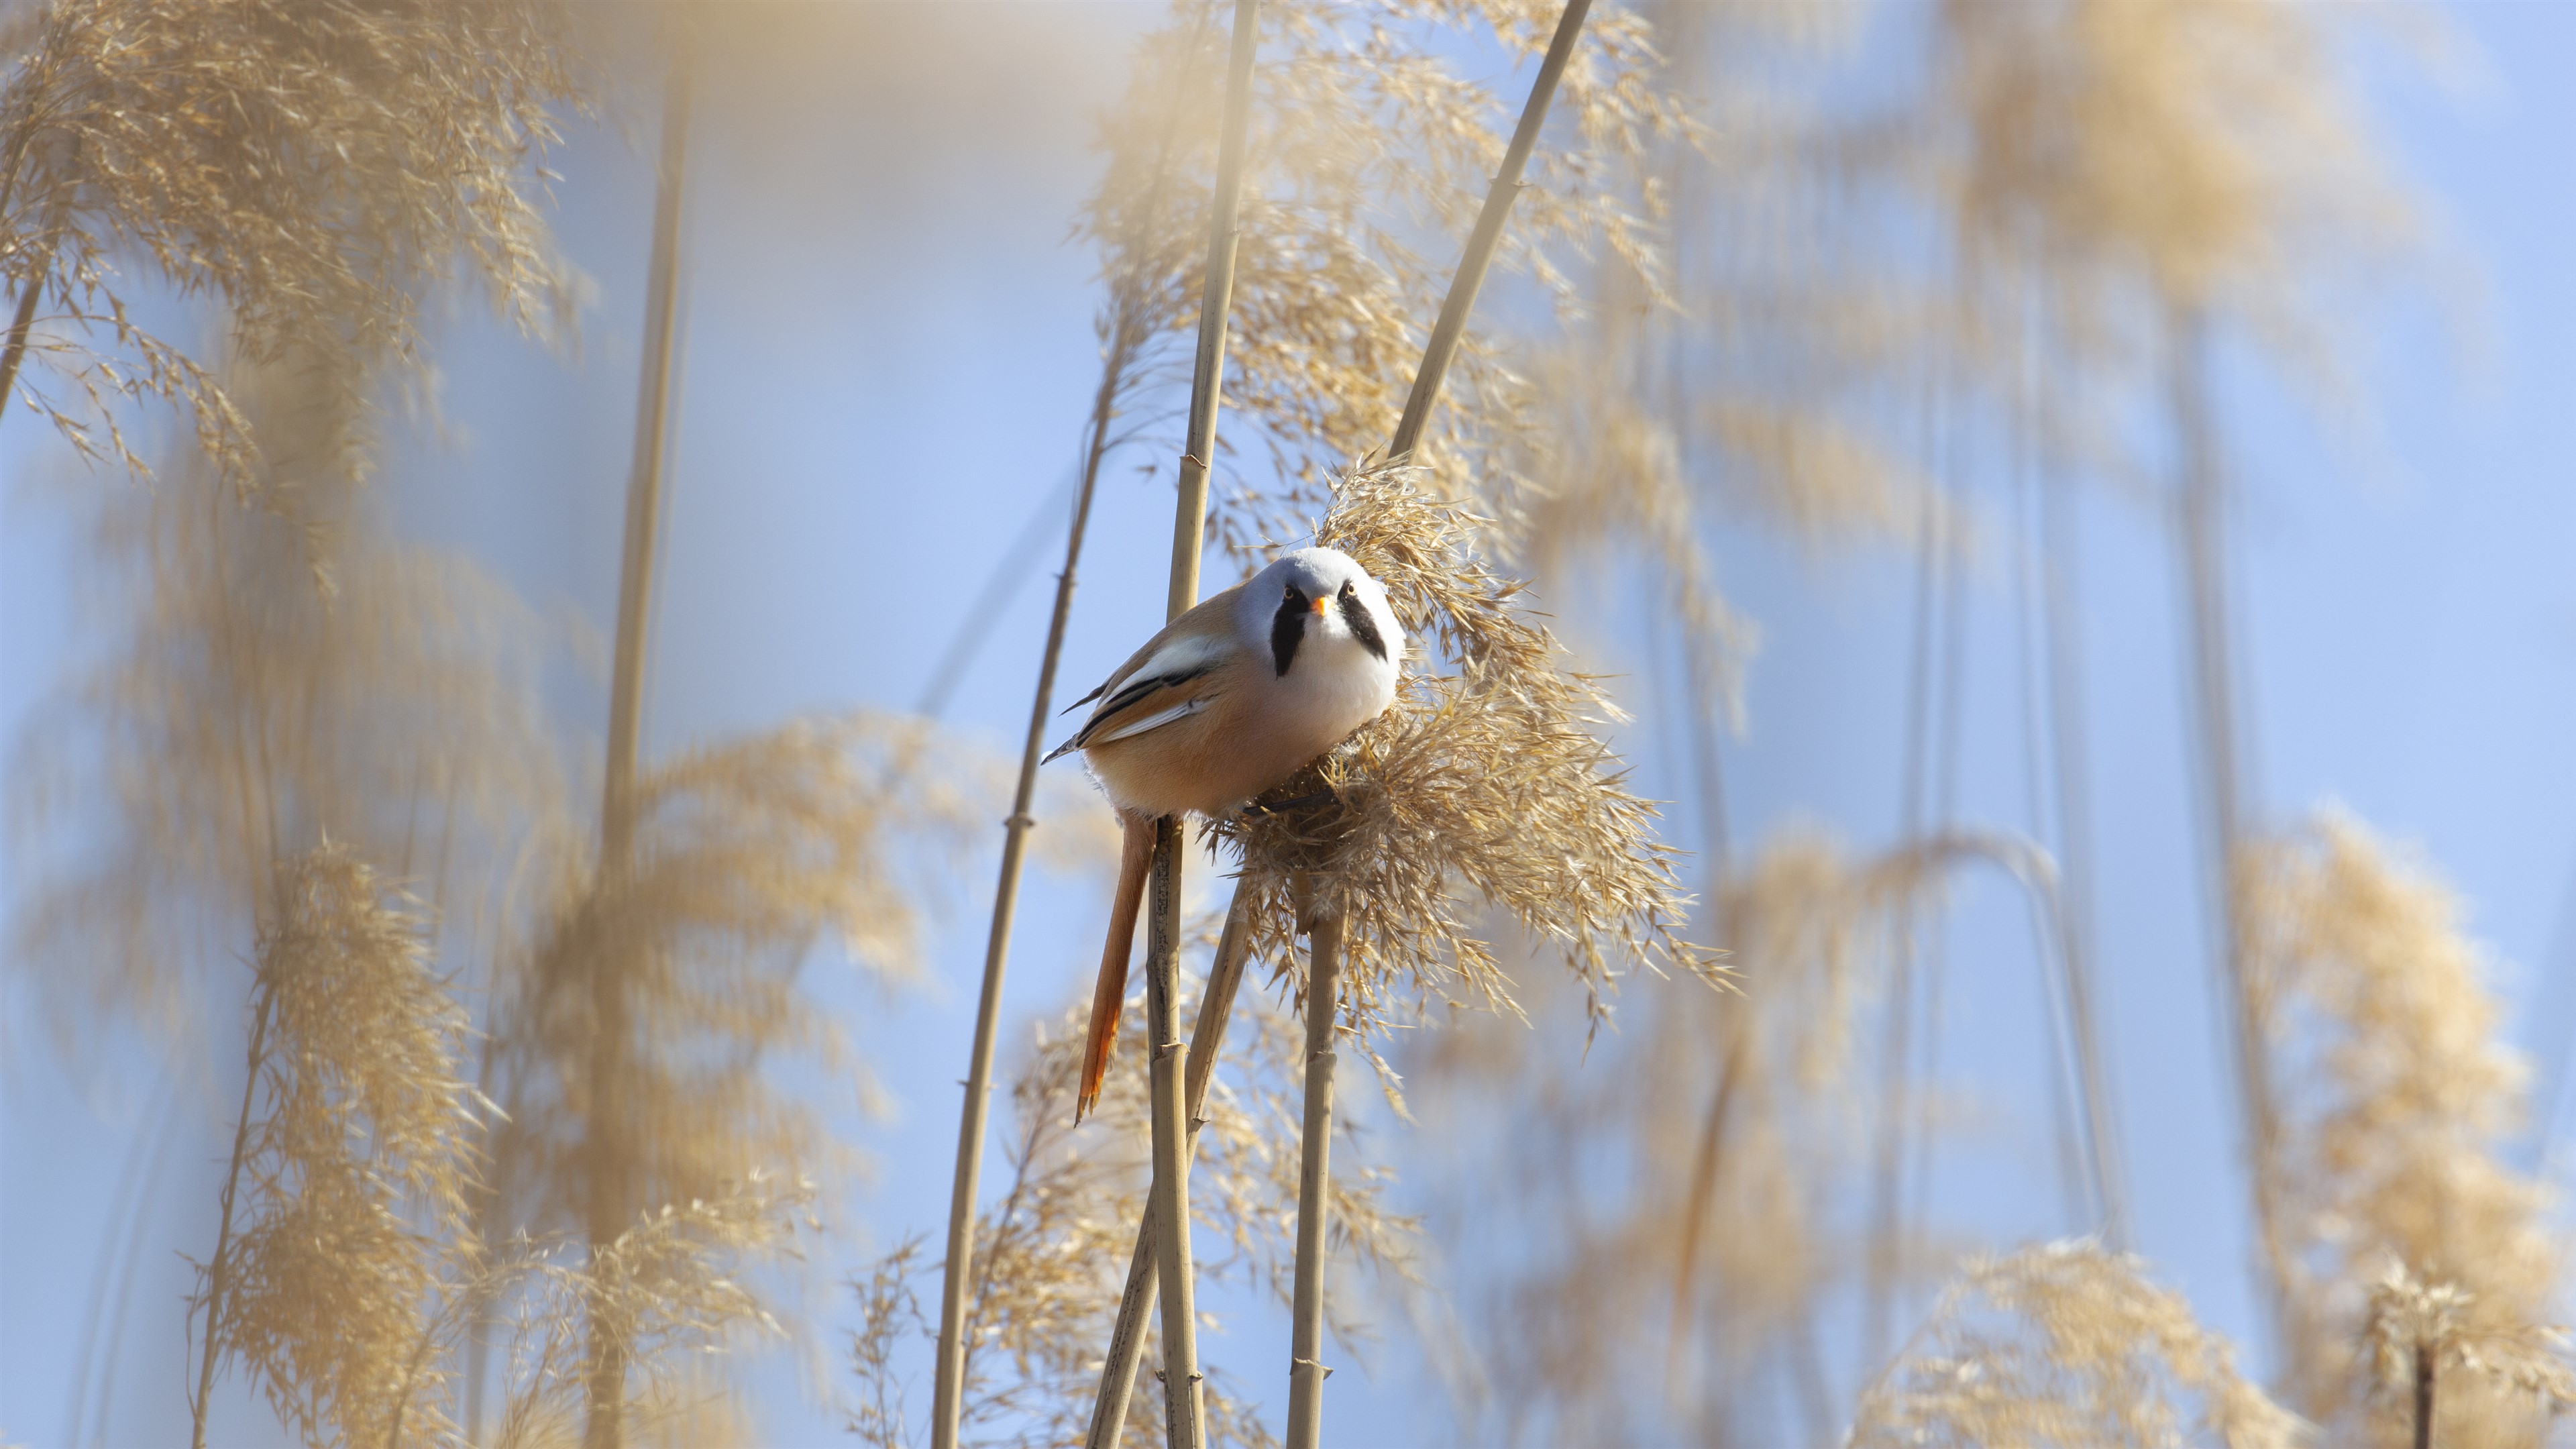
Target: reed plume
x: 1365, y: 135
x: 670, y: 1290
x: 1051, y: 1250
x: 237, y: 716
x: 2067, y: 1344
x: 2211, y: 158
x: 2416, y: 1335
x: 1732, y: 1124
x: 2397, y: 1101
x: 745, y: 853
x: 349, y: 1170
x: 316, y: 168
x: 348, y: 1273
x: 1486, y: 785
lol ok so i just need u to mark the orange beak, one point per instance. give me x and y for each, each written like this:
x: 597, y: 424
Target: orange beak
x: 1320, y: 601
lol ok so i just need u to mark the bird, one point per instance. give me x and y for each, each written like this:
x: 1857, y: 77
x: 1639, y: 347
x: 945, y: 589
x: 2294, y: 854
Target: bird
x: 1231, y: 698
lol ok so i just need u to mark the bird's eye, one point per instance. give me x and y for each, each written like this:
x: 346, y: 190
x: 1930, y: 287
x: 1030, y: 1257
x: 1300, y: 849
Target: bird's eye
x: 1289, y: 595
x: 1349, y: 591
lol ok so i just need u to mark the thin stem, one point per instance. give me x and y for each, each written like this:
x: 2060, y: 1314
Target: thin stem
x: 1306, y: 1371
x: 1127, y: 336
x: 1885, y: 1228
x: 1207, y: 372
x: 2200, y: 533
x: 609, y: 1151
x: 948, y: 1402
x: 18, y: 325
x: 1184, y: 1407
x: 1001, y: 586
x: 2061, y: 565
x: 1479, y: 256
x: 1184, y: 1423
x: 1702, y: 1191
x: 2425, y: 1369
x: 1127, y: 1340
x: 128, y: 1200
x: 218, y: 1268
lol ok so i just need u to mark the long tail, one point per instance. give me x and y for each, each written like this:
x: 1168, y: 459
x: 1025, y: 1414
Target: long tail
x: 1111, y: 992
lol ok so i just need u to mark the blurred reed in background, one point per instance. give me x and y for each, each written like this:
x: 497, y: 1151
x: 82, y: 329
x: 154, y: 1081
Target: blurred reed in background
x: 313, y: 813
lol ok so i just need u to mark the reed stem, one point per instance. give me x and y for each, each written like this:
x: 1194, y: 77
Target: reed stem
x: 1479, y: 256
x: 18, y: 325
x: 1184, y: 1420
x: 1184, y: 1424
x: 1207, y: 371
x: 218, y: 1274
x: 1306, y: 1370
x: 1127, y: 336
x: 948, y: 1402
x: 608, y: 1150
x: 2200, y: 533
x: 2061, y: 612
x: 2424, y: 1374
x: 1886, y: 1214
x: 1127, y: 1339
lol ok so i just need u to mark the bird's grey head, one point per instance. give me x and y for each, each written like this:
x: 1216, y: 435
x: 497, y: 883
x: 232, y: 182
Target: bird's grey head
x: 1319, y: 592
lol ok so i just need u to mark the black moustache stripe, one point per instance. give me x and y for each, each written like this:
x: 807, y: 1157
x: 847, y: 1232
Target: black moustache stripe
x: 1287, y: 629
x: 1363, y: 628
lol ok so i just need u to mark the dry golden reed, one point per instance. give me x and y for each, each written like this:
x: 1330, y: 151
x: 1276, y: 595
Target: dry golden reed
x: 315, y: 167
x: 354, y: 1277
x: 2216, y: 152
x: 1367, y: 136
x: 2420, y: 1345
x: 1732, y: 1127
x: 2397, y: 1103
x: 746, y: 854
x: 2067, y: 1344
x: 353, y: 1273
x: 1489, y: 784
x: 351, y: 1174
x: 671, y: 1291
x: 1052, y: 1252
x: 236, y: 716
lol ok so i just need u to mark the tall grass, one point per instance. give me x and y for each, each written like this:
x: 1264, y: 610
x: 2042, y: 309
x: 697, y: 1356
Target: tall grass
x: 609, y: 1141
x: 1046, y: 1284
x: 349, y: 1168
x: 1126, y: 329
x: 314, y: 167
x: 2067, y: 1344
x: 308, y: 813
x: 2396, y: 1100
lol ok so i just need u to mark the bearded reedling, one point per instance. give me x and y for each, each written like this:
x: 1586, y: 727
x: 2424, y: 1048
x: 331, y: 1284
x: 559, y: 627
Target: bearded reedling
x: 1228, y: 700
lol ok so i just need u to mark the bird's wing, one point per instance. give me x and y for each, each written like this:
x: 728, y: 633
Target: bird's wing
x: 1174, y: 684
x: 1159, y: 718
x: 1172, y: 677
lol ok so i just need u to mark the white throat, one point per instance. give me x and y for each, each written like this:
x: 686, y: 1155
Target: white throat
x: 1335, y: 683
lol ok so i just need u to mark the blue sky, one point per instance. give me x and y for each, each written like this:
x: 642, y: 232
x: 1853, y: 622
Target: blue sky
x: 888, y: 354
